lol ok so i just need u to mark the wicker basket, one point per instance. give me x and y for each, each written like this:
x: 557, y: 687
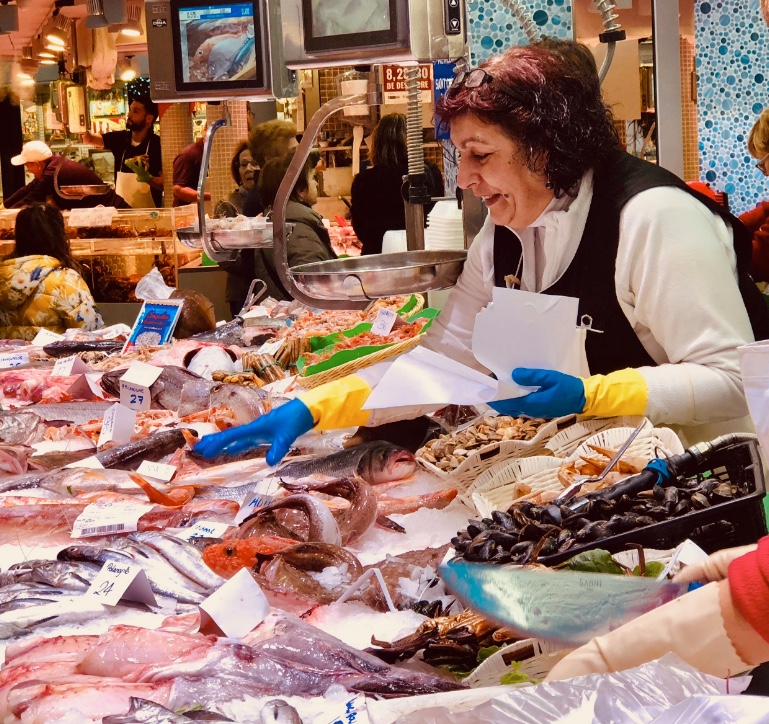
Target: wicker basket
x: 417, y: 308
x: 567, y: 441
x: 540, y: 658
x: 348, y: 368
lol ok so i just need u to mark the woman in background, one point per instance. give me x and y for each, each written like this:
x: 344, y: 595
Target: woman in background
x: 757, y: 220
x: 309, y: 241
x: 377, y: 201
x: 40, y: 286
x: 243, y: 170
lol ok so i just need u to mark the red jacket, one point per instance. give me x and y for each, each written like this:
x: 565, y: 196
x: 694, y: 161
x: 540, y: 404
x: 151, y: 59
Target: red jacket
x: 749, y: 586
x: 757, y: 222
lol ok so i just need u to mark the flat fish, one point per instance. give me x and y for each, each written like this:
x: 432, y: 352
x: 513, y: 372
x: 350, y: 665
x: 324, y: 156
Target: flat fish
x: 375, y: 462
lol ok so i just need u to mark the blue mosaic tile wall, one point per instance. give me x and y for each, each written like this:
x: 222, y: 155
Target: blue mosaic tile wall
x: 732, y: 89
x: 494, y: 28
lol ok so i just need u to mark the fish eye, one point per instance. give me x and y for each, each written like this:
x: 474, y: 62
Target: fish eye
x: 229, y: 551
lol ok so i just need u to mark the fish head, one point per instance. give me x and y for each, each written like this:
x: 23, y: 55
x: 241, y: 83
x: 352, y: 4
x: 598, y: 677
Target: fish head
x: 390, y: 462
x: 224, y: 558
x: 279, y: 711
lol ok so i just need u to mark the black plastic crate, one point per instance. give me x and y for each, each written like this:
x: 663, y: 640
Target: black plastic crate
x: 738, y: 522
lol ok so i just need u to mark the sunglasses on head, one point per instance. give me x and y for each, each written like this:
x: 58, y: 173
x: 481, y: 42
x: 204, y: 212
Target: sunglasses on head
x: 477, y: 77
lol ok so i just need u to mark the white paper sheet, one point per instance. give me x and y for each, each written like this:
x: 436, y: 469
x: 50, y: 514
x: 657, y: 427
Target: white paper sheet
x: 754, y: 364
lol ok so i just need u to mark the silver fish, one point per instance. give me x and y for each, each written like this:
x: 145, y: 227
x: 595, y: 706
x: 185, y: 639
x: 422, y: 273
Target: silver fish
x: 148, y: 712
x: 279, y: 711
x: 183, y: 556
x: 18, y: 427
x: 78, y: 413
x: 65, y: 610
x: 67, y: 575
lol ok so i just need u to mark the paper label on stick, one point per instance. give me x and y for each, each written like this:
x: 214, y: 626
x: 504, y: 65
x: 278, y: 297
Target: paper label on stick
x: 118, y: 424
x: 270, y: 347
x: 383, y: 324
x: 263, y: 494
x: 109, y: 518
x: 159, y: 471
x: 135, y: 385
x: 86, y: 387
x: 203, y: 529
x: 68, y: 366
x: 46, y: 336
x: 353, y: 711
x: 118, y: 581
x: 15, y: 359
x: 89, y: 462
x: 237, y: 607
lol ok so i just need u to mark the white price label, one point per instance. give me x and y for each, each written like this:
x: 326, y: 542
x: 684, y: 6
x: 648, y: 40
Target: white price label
x: 109, y: 518
x: 353, y: 711
x: 203, y: 529
x: 270, y: 347
x: 159, y: 471
x: 89, y: 462
x: 97, y: 216
x: 118, y: 424
x: 135, y: 385
x: 236, y: 607
x: 17, y: 359
x: 67, y: 366
x: 86, y: 387
x: 264, y: 494
x: 118, y: 581
x: 383, y: 324
x: 45, y: 336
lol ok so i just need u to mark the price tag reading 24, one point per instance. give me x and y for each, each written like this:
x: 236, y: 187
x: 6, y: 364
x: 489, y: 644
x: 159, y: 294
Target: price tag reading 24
x: 116, y: 581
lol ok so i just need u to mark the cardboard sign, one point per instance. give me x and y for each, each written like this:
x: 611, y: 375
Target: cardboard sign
x: 118, y: 425
x: 135, y: 385
x: 86, y: 387
x: 203, y: 529
x: 270, y: 347
x: 109, y: 518
x: 394, y: 83
x: 89, y: 462
x: 155, y: 323
x: 118, y: 581
x: 237, y: 607
x: 383, y: 324
x: 264, y: 493
x: 159, y: 471
x: 97, y: 216
x: 45, y: 336
x: 15, y: 359
x: 68, y: 366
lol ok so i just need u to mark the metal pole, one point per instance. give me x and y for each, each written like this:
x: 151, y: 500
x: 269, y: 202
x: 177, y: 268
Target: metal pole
x: 667, y: 85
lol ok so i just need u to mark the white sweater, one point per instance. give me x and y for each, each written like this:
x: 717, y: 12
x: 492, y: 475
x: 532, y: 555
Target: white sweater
x: 675, y: 281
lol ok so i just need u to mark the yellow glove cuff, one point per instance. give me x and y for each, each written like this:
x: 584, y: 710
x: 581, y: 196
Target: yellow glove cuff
x: 620, y: 393
x: 338, y: 404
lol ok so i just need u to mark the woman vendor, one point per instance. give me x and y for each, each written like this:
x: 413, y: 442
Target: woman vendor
x: 661, y: 270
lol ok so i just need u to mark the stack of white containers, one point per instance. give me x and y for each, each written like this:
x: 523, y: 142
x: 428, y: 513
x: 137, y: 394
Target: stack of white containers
x: 444, y: 227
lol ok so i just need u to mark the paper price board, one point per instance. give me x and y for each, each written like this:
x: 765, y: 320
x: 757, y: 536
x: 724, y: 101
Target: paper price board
x: 118, y: 581
x: 155, y: 323
x: 394, y: 83
x: 45, y: 336
x: 97, y: 216
x: 235, y: 608
x: 68, y: 366
x: 15, y: 359
x: 86, y: 387
x: 118, y: 424
x: 203, y: 529
x: 383, y: 324
x: 159, y: 471
x: 135, y: 385
x: 109, y: 518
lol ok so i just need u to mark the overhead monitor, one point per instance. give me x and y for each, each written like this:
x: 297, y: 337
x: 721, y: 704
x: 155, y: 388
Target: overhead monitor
x: 334, y: 24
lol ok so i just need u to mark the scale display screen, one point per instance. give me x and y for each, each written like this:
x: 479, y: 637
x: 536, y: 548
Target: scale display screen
x: 218, y: 45
x: 337, y: 24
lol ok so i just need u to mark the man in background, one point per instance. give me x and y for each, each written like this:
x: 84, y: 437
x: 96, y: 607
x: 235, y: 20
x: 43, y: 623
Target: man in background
x: 138, y: 158
x: 187, y: 174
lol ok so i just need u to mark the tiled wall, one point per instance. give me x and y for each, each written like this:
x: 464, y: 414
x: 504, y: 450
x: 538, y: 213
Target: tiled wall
x: 732, y: 76
x: 328, y: 90
x: 689, y: 111
x: 175, y: 134
x: 220, y: 182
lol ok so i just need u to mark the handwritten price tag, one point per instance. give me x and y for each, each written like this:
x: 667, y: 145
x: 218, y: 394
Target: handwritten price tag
x: 98, y: 216
x: 264, y: 494
x: 17, y: 359
x: 45, y: 336
x: 135, y: 385
x: 109, y: 518
x: 203, y: 529
x: 353, y: 710
x: 118, y: 425
x: 158, y: 471
x: 67, y: 366
x: 237, y: 607
x: 86, y: 387
x: 118, y: 581
x: 383, y: 323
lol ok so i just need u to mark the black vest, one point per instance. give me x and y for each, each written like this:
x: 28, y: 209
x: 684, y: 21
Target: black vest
x: 590, y: 276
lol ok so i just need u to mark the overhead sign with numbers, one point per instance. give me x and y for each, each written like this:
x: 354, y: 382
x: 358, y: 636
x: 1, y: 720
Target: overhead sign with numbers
x: 394, y: 83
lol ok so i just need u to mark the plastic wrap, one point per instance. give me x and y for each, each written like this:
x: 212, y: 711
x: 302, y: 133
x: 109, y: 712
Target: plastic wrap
x: 640, y: 695
x: 718, y: 710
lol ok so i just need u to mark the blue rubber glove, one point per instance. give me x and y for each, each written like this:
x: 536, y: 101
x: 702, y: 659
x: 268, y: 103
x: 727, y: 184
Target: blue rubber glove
x: 558, y: 395
x: 279, y: 428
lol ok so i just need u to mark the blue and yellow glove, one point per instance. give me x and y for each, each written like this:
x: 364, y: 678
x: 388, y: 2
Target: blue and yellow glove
x: 620, y: 393
x: 331, y: 406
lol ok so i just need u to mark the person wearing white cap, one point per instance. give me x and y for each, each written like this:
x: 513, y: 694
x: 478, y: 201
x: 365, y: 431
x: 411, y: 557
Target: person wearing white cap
x: 42, y: 163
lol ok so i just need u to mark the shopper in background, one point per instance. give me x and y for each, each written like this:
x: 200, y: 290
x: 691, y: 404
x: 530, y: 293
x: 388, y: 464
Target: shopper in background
x: 309, y: 240
x: 187, y: 167
x: 268, y: 140
x: 757, y: 220
x: 142, y: 185
x: 40, y: 286
x: 244, y: 173
x: 42, y: 163
x: 377, y: 192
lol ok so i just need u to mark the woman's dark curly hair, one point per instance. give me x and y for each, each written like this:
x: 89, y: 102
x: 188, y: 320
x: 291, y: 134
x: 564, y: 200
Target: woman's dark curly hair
x: 558, y: 117
x: 40, y: 230
x: 235, y: 162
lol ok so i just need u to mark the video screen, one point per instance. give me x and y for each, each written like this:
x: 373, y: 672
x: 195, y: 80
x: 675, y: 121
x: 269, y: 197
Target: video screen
x: 218, y: 43
x: 347, y: 17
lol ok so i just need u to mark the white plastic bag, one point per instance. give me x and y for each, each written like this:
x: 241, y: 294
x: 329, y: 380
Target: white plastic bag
x: 152, y: 286
x: 101, y: 75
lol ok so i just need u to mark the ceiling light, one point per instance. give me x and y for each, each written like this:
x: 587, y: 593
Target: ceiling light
x: 127, y: 68
x: 28, y: 65
x: 95, y: 18
x: 40, y: 51
x: 27, y: 81
x: 47, y: 61
x: 58, y: 33
x: 9, y: 18
x: 133, y: 25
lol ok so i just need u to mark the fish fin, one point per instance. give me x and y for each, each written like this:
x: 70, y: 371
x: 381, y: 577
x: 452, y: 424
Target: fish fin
x: 390, y: 524
x: 190, y: 437
x: 176, y: 498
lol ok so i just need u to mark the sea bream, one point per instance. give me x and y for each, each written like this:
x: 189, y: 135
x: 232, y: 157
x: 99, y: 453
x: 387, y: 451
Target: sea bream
x: 375, y: 462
